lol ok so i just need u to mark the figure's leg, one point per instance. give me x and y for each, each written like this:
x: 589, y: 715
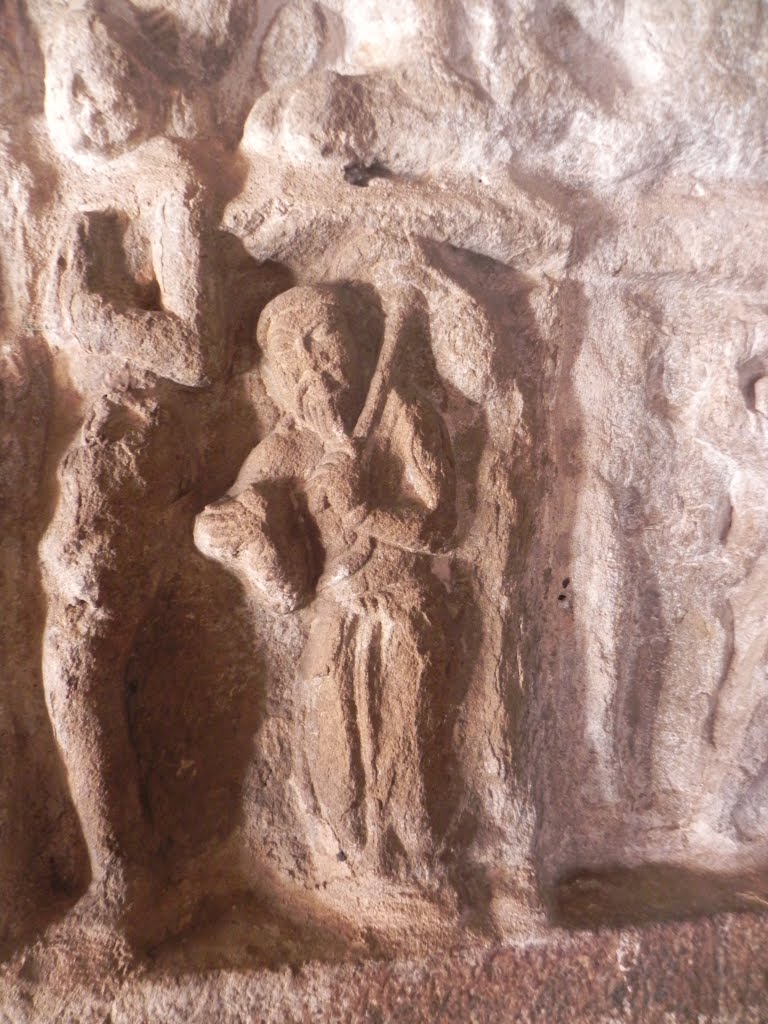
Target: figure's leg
x: 406, y: 677
x: 329, y: 730
x: 39, y: 853
x: 84, y: 670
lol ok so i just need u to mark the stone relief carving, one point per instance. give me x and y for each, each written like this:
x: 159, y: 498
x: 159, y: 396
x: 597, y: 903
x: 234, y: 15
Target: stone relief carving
x: 340, y: 509
x: 383, y: 460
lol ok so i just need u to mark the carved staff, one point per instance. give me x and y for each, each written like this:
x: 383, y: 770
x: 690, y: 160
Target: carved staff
x: 399, y: 304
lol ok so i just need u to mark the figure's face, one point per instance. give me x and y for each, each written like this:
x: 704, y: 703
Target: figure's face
x: 100, y: 99
x: 310, y: 372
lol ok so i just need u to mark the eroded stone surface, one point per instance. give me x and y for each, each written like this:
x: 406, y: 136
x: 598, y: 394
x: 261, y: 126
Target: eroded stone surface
x: 383, y: 433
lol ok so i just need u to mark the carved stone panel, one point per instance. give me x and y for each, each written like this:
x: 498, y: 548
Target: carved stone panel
x: 383, y: 465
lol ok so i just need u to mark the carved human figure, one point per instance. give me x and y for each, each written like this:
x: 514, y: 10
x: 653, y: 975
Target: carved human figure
x: 131, y: 291
x: 339, y: 510
x: 122, y: 498
x: 131, y: 286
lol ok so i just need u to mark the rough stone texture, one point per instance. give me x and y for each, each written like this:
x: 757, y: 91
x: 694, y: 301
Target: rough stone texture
x: 383, y: 461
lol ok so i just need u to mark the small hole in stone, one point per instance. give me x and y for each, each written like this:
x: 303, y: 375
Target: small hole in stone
x: 566, y: 581
x: 561, y: 597
x: 360, y: 174
x: 341, y: 855
x: 749, y: 373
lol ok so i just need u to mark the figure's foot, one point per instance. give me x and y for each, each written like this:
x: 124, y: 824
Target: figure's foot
x: 123, y: 905
x: 87, y: 943
x: 105, y: 899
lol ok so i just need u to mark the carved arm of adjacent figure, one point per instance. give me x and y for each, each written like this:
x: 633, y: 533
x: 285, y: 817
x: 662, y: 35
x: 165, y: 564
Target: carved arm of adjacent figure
x: 163, y: 323
x: 420, y: 512
x: 263, y: 535
x: 424, y: 519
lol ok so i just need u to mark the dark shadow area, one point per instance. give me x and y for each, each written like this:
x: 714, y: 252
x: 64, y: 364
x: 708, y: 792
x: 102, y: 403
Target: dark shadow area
x: 21, y: 63
x: 43, y: 861
x: 749, y: 372
x: 642, y: 638
x: 105, y: 239
x: 642, y: 628
x: 552, y: 728
x: 169, y: 46
x: 617, y: 895
x: 361, y: 174
x: 598, y: 72
x: 247, y: 286
x: 196, y: 690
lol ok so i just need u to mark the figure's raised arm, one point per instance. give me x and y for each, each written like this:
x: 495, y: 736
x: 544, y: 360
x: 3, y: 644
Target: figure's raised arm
x: 142, y: 292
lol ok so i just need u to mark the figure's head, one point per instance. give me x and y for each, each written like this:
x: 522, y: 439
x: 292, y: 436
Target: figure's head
x: 100, y: 97
x: 313, y: 366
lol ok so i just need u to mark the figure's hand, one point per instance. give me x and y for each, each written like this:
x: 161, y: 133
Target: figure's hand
x: 337, y: 484
x: 378, y: 604
x: 222, y: 528
x: 261, y: 536
x: 382, y: 602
